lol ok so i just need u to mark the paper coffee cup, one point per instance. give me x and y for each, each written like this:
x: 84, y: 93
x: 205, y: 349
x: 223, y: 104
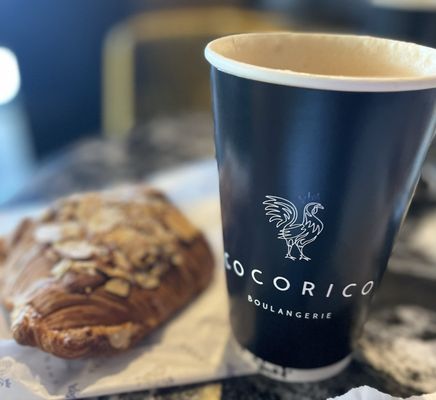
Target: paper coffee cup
x: 319, y: 142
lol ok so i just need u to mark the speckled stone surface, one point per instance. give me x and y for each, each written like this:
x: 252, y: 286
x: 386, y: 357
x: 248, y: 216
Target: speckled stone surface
x: 95, y: 163
x: 386, y: 325
x: 403, y: 311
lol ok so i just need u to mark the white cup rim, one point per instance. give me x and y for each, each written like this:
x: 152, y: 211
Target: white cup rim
x: 425, y: 79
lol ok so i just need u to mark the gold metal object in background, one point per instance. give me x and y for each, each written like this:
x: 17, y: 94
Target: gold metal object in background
x: 153, y: 63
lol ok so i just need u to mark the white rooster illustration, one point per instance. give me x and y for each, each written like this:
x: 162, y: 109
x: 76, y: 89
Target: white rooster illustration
x: 284, y: 213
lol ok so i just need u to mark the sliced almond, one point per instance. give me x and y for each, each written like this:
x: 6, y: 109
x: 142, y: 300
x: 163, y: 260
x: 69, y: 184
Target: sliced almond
x: 147, y: 281
x: 84, y: 266
x: 50, y: 233
x: 121, y: 194
x: 118, y: 287
x: 158, y: 270
x: 125, y: 239
x: 120, y: 260
x: 148, y: 262
x: 142, y: 221
x: 101, y: 251
x: 87, y: 206
x: 170, y: 248
x: 71, y: 230
x: 138, y: 257
x: 105, y: 220
x: 66, y: 211
x: 150, y: 259
x: 47, y: 215
x: 163, y: 235
x: 61, y: 268
x: 177, y: 260
x: 115, y: 272
x: 77, y: 249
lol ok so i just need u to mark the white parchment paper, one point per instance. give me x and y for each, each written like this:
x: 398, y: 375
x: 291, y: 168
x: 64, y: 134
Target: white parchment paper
x: 193, y: 347
x: 368, y: 393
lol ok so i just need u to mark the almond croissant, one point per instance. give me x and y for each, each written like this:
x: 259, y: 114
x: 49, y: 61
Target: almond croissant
x: 98, y: 272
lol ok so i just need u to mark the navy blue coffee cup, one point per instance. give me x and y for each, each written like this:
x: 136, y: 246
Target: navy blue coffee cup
x: 319, y: 142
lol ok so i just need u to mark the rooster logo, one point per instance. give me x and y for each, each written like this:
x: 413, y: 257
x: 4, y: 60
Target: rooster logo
x: 284, y: 214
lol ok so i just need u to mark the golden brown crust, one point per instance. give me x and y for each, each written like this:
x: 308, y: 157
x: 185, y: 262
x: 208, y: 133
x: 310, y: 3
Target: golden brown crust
x: 98, y: 272
x: 2, y: 251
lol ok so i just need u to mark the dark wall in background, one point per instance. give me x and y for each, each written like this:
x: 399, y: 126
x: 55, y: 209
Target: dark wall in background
x: 58, y: 46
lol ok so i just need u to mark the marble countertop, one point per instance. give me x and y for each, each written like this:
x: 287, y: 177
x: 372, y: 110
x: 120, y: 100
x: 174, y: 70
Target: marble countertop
x: 393, y: 354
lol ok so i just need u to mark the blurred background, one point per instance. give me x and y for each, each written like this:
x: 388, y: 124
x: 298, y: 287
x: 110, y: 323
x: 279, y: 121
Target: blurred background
x: 132, y: 71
